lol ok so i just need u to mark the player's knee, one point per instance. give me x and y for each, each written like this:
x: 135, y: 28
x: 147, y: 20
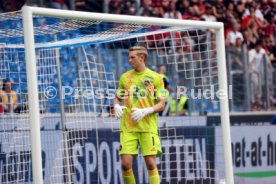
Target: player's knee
x: 150, y: 162
x: 151, y: 166
x: 126, y: 166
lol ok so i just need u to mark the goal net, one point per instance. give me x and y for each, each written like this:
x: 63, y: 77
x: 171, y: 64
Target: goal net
x: 63, y: 129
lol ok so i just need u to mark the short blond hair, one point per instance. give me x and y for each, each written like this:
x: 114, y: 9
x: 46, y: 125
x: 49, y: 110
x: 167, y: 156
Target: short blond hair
x: 140, y: 51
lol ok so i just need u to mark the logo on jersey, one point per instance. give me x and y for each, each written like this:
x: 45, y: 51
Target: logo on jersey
x: 146, y: 82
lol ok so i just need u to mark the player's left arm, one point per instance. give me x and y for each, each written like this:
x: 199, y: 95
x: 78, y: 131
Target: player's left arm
x: 160, y: 105
x: 161, y: 94
x: 138, y: 113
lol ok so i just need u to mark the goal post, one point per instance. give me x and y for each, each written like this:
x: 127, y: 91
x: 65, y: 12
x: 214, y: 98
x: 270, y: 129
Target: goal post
x: 32, y: 94
x: 224, y: 106
x: 172, y: 25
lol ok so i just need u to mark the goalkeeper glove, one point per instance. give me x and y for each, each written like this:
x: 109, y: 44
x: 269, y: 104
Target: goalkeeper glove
x: 118, y: 110
x: 138, y: 114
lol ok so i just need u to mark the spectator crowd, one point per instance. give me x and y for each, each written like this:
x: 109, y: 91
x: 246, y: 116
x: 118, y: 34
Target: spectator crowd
x: 246, y: 22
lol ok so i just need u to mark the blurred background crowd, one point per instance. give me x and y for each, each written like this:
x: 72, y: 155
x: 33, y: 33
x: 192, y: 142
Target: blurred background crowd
x: 250, y: 36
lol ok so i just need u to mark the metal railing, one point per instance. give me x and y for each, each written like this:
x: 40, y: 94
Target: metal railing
x: 252, y: 90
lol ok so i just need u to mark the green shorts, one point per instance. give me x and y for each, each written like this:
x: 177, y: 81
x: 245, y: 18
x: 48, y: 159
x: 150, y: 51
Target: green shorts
x: 149, y: 143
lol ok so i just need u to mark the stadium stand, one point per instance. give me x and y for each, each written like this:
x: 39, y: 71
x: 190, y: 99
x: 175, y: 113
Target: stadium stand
x: 246, y: 24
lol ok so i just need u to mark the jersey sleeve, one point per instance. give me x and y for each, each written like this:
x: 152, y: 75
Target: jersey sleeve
x: 119, y: 91
x: 121, y: 86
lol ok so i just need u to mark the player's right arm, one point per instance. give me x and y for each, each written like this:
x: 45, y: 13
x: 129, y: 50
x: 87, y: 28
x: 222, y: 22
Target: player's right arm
x: 117, y: 101
x: 118, y: 108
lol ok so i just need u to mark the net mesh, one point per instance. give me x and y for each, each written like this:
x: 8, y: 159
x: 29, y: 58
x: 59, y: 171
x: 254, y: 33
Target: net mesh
x: 79, y: 63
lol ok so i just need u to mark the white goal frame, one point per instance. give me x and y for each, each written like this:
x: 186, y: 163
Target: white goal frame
x: 29, y: 12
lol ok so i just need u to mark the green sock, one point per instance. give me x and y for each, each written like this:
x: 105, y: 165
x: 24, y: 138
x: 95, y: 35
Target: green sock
x: 129, y: 177
x: 154, y: 176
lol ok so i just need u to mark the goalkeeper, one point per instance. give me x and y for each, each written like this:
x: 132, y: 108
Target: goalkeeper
x: 143, y: 93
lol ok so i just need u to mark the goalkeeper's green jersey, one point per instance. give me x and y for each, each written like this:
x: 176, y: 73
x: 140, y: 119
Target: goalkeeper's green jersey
x: 140, y: 90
